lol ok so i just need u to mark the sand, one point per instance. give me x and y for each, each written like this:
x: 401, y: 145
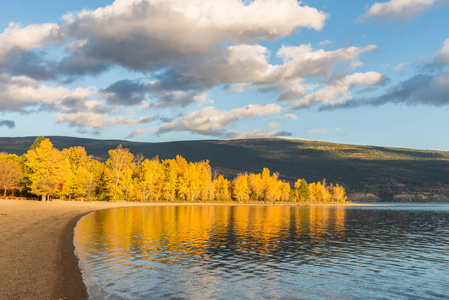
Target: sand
x: 37, y: 258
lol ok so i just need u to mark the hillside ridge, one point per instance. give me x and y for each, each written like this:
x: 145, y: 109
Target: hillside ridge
x: 369, y: 173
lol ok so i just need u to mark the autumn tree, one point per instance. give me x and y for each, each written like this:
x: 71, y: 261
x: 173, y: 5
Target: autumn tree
x: 240, y: 187
x: 150, y: 180
x: 10, y: 174
x: 315, y: 189
x: 301, y: 192
x: 338, y: 194
x: 205, y: 178
x: 255, y: 186
x: 221, y: 188
x: 270, y: 186
x: 117, y: 172
x: 183, y: 178
x: 46, y: 169
x: 170, y: 179
x: 79, y: 174
x: 284, y: 188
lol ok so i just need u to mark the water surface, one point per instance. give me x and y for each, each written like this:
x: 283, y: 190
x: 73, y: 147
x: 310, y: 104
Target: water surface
x: 260, y: 252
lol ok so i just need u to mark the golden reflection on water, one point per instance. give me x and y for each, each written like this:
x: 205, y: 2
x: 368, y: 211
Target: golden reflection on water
x: 264, y: 252
x: 195, y: 231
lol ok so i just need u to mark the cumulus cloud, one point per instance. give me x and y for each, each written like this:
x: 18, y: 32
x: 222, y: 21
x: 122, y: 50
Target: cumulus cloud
x: 19, y: 92
x: 339, y: 90
x: 211, y: 121
x: 396, y: 10
x: 441, y: 58
x: 249, y: 66
x: 7, y: 123
x: 16, y: 40
x: 183, y: 49
x: 432, y: 90
x: 157, y: 33
x: 125, y: 92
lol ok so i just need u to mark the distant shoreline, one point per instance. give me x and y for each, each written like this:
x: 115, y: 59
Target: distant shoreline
x: 37, y: 251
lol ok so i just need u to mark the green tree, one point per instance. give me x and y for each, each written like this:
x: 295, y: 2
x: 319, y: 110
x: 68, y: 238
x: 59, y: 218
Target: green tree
x: 302, y: 192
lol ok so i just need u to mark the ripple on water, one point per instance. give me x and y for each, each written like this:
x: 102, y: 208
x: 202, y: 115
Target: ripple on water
x: 224, y: 252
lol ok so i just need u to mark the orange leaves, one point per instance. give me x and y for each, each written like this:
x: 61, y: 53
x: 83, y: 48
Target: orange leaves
x: 10, y: 174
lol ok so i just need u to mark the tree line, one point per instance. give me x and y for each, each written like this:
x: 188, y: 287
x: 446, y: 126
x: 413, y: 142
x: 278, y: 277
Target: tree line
x: 47, y: 172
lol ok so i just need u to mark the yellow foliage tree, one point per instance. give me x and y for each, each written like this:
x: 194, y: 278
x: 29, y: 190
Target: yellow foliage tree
x: 46, y: 169
x: 284, y: 191
x: 183, y: 178
x: 316, y: 191
x: 79, y: 175
x: 10, y: 175
x: 205, y: 178
x: 221, y: 188
x: 117, y: 172
x: 255, y: 186
x: 170, y: 179
x: 151, y: 179
x: 339, y: 194
x: 240, y: 187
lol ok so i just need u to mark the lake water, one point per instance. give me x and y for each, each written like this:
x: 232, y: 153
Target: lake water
x: 266, y: 252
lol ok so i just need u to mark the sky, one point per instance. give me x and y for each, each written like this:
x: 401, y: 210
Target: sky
x: 355, y: 72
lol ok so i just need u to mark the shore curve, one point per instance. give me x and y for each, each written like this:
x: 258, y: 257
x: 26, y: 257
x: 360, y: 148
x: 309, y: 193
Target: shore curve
x: 37, y: 251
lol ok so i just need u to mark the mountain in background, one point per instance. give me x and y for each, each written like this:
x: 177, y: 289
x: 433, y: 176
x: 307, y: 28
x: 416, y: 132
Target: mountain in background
x: 368, y: 173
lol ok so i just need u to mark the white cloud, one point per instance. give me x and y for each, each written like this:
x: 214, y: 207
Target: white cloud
x: 249, y: 65
x: 340, y: 90
x: 165, y: 32
x: 398, y: 67
x: 97, y: 120
x: 325, y: 42
x: 257, y: 134
x: 210, y: 121
x: 135, y: 132
x: 290, y: 116
x: 19, y: 92
x: 396, y: 10
x: 273, y: 125
x: 16, y: 40
x: 442, y: 57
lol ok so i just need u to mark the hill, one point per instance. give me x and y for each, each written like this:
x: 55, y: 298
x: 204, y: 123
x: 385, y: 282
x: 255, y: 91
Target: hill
x: 386, y: 174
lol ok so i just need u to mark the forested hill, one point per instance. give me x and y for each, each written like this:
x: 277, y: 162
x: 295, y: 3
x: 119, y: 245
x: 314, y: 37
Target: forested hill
x: 388, y: 173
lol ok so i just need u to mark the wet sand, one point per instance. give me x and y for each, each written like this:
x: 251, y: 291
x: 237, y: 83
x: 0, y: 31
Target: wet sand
x: 37, y: 259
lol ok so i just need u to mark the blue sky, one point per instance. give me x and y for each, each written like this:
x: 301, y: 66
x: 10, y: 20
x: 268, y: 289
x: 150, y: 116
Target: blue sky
x: 358, y: 72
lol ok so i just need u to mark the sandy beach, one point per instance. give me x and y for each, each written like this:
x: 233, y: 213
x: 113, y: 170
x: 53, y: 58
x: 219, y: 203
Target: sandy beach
x: 36, y: 247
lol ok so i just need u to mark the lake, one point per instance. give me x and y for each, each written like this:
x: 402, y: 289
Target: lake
x: 265, y: 252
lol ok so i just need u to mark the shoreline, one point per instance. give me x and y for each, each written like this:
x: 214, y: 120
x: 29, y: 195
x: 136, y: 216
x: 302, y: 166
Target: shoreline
x: 37, y: 251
